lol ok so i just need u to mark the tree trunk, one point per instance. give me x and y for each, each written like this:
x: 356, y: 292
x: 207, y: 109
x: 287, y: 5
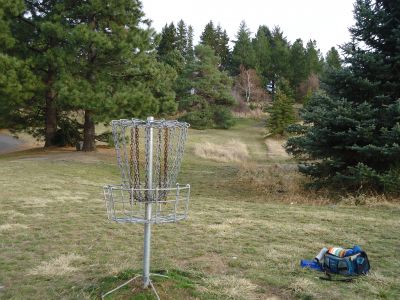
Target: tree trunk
x: 88, y: 132
x: 50, y: 112
x: 248, y: 92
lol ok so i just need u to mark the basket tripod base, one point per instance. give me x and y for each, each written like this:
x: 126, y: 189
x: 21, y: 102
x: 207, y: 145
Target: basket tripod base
x: 103, y: 296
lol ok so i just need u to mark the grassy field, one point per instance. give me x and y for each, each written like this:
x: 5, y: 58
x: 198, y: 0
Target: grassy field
x: 250, y: 225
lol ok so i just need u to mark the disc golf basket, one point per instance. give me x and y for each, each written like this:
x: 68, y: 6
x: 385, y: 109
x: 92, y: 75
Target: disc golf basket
x: 149, y: 155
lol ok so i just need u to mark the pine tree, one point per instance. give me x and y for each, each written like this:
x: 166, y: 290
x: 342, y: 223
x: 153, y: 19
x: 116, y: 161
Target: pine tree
x: 181, y: 38
x: 205, y: 91
x: 17, y: 83
x: 171, y: 48
x: 40, y: 38
x: 243, y: 52
x: 189, y: 46
x: 333, y: 59
x: 351, y: 131
x: 298, y: 64
x: 209, y: 36
x: 262, y: 50
x: 281, y: 114
x: 279, y: 67
x: 314, y: 59
x: 113, y: 71
x: 217, y: 39
x: 168, y: 40
x: 223, y: 47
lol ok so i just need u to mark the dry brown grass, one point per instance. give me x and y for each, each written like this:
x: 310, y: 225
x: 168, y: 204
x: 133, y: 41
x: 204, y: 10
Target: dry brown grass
x: 278, y: 182
x: 301, y: 285
x: 10, y: 227
x: 275, y: 149
x: 252, y: 114
x: 271, y: 179
x: 233, y: 151
x: 57, y: 266
x: 234, y: 287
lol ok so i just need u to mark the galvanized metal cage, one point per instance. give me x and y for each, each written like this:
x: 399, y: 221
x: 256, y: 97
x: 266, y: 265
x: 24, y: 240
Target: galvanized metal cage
x: 149, y: 155
x: 169, y: 204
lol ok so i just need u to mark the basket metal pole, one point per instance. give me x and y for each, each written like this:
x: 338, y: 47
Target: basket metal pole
x: 148, y: 207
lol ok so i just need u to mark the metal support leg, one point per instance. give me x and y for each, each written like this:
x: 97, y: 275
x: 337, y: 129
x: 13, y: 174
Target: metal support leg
x: 103, y: 296
x: 147, y: 225
x: 147, y: 244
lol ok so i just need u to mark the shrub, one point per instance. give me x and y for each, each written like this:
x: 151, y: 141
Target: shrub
x: 222, y: 117
x: 211, y: 117
x: 200, y: 119
x: 281, y: 114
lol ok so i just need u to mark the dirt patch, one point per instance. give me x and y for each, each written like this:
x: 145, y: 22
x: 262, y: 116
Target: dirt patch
x: 275, y: 149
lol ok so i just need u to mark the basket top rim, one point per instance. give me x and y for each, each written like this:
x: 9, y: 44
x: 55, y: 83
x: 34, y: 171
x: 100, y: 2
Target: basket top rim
x: 162, y: 123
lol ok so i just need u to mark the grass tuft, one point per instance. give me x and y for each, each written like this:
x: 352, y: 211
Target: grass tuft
x: 57, y: 266
x: 10, y: 227
x: 233, y: 286
x: 233, y: 151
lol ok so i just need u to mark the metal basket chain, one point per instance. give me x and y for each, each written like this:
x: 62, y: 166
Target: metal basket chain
x: 177, y: 153
x: 126, y: 158
x: 166, y: 143
x: 135, y: 162
x: 180, y: 150
x: 158, y: 159
x: 137, y: 168
x: 132, y: 160
x: 171, y: 149
x: 116, y: 135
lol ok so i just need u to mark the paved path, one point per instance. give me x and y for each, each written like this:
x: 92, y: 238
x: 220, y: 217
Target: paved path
x: 9, y: 143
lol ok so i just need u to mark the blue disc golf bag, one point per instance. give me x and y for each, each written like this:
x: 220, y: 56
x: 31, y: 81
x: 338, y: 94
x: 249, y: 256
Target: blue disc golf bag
x: 353, y: 265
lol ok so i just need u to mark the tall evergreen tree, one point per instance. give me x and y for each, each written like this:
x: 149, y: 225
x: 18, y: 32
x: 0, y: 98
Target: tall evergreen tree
x: 209, y: 36
x: 314, y: 58
x: 351, y: 132
x: 262, y: 51
x: 280, y: 54
x: 181, y: 38
x: 168, y: 40
x: 189, y: 46
x: 333, y: 59
x: 113, y: 72
x: 217, y: 39
x: 298, y: 64
x: 17, y: 83
x: 171, y: 48
x: 205, y: 91
x: 40, y: 34
x: 223, y: 47
x: 243, y: 52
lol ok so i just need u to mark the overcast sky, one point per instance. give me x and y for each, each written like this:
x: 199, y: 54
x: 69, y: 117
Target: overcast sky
x: 326, y: 21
